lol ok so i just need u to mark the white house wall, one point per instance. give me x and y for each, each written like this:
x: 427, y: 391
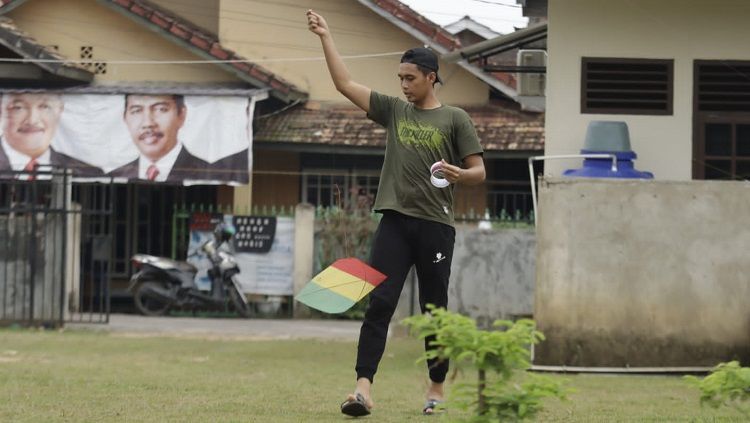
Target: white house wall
x: 683, y: 30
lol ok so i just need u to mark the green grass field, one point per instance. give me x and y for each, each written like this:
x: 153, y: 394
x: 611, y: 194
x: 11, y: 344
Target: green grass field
x: 75, y: 376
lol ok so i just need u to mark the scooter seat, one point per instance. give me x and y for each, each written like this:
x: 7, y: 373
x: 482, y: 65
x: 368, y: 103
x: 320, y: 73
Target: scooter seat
x: 186, y: 267
x: 168, y: 264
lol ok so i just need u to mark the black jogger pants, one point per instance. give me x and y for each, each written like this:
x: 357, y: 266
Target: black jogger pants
x: 400, y: 242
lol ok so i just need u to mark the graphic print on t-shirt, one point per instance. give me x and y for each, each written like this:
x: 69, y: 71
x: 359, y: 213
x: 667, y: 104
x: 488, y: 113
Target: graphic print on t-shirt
x: 418, y: 134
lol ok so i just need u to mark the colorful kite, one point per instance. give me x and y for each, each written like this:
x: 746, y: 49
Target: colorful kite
x: 341, y: 285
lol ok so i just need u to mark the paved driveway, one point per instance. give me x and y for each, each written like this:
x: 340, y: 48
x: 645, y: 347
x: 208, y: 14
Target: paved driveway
x: 136, y: 325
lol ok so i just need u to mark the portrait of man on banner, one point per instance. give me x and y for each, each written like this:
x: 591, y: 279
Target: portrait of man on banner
x: 154, y: 123
x: 29, y: 122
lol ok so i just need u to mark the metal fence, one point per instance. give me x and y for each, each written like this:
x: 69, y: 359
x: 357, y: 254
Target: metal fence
x: 54, y: 254
x: 92, y: 212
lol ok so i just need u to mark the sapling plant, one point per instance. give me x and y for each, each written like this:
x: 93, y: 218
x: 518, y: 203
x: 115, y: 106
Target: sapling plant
x: 503, y: 391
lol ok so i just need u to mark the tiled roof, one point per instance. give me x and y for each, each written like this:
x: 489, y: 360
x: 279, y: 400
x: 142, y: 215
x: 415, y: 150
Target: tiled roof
x: 27, y: 47
x: 501, y: 127
x: 414, y: 19
x: 196, y: 40
x: 504, y: 127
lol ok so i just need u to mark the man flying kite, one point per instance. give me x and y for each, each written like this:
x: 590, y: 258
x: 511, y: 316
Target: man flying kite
x: 425, y: 139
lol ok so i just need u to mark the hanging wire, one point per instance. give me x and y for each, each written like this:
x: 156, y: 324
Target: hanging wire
x: 193, y: 62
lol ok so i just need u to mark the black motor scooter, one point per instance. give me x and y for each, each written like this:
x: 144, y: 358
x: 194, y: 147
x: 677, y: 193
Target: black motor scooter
x: 162, y: 284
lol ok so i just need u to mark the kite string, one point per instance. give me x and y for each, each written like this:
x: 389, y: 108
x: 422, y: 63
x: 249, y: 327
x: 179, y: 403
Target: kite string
x: 346, y: 227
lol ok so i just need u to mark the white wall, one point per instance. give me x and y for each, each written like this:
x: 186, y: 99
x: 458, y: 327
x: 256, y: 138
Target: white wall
x: 683, y: 30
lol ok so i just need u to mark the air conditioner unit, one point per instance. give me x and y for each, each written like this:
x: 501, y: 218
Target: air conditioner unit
x: 531, y: 84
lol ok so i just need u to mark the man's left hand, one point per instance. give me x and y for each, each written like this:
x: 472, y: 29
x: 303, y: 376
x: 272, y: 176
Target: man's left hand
x: 472, y: 174
x: 450, y: 172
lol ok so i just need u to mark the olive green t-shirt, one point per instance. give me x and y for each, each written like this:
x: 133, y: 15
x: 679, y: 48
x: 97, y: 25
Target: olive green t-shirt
x: 417, y: 138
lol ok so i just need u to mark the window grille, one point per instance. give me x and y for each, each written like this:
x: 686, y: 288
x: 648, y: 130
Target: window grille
x: 627, y: 86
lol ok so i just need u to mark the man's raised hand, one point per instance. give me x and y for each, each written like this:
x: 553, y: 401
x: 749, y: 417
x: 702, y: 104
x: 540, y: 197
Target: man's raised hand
x: 316, y: 24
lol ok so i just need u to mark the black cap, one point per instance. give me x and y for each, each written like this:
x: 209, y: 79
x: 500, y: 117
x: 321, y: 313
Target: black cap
x: 424, y: 57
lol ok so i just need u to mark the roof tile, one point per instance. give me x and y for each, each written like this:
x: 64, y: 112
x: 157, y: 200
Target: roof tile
x: 180, y: 30
x: 163, y: 21
x: 202, y: 42
x: 416, y: 20
x: 220, y: 52
x: 500, y: 126
x: 140, y: 10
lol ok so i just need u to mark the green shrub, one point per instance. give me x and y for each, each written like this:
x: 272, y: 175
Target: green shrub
x: 503, y: 392
x: 727, y: 385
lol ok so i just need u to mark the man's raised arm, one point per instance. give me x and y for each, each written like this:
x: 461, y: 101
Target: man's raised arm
x: 355, y: 92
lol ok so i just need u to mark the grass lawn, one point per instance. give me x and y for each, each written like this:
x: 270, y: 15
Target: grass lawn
x: 93, y: 377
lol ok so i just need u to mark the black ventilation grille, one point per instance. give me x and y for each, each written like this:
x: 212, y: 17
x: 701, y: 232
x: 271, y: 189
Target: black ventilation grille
x: 723, y: 86
x: 626, y: 86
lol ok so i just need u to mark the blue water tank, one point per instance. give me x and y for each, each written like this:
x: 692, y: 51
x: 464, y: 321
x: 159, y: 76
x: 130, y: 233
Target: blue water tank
x: 608, y: 137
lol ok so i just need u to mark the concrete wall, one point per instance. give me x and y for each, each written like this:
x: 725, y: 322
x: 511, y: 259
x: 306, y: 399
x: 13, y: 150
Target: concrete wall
x: 641, y: 274
x: 263, y: 30
x: 492, y: 276
x: 683, y: 30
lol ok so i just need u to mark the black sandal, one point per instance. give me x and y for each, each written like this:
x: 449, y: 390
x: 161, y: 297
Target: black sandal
x: 356, y: 407
x: 430, y: 407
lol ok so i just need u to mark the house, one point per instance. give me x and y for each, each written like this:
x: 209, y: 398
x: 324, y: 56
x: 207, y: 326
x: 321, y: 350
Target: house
x: 308, y: 143
x: 678, y: 73
x: 54, y: 35
x: 518, y: 57
x: 470, y: 31
x: 675, y: 72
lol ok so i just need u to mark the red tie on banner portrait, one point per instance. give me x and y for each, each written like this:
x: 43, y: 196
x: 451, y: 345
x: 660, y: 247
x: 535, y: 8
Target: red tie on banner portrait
x: 31, y: 167
x: 152, y: 172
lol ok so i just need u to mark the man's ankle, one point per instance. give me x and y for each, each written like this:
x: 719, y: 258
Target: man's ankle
x: 363, y: 386
x: 436, y: 388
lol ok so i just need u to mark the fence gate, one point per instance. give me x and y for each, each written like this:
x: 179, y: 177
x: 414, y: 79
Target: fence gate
x: 55, y: 249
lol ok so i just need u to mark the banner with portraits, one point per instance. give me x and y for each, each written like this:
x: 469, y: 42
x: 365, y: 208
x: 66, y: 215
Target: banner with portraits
x: 172, y: 139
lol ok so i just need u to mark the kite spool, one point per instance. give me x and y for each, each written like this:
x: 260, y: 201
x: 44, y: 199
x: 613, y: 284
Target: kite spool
x: 436, y: 175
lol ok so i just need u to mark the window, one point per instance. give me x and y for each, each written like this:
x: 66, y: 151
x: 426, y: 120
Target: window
x: 627, y: 86
x: 322, y: 189
x: 508, y: 187
x: 327, y: 188
x: 722, y: 86
x: 721, y: 143
x: 326, y: 176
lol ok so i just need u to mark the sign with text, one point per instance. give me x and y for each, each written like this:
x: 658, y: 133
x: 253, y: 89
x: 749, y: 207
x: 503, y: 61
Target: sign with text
x: 255, y: 234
